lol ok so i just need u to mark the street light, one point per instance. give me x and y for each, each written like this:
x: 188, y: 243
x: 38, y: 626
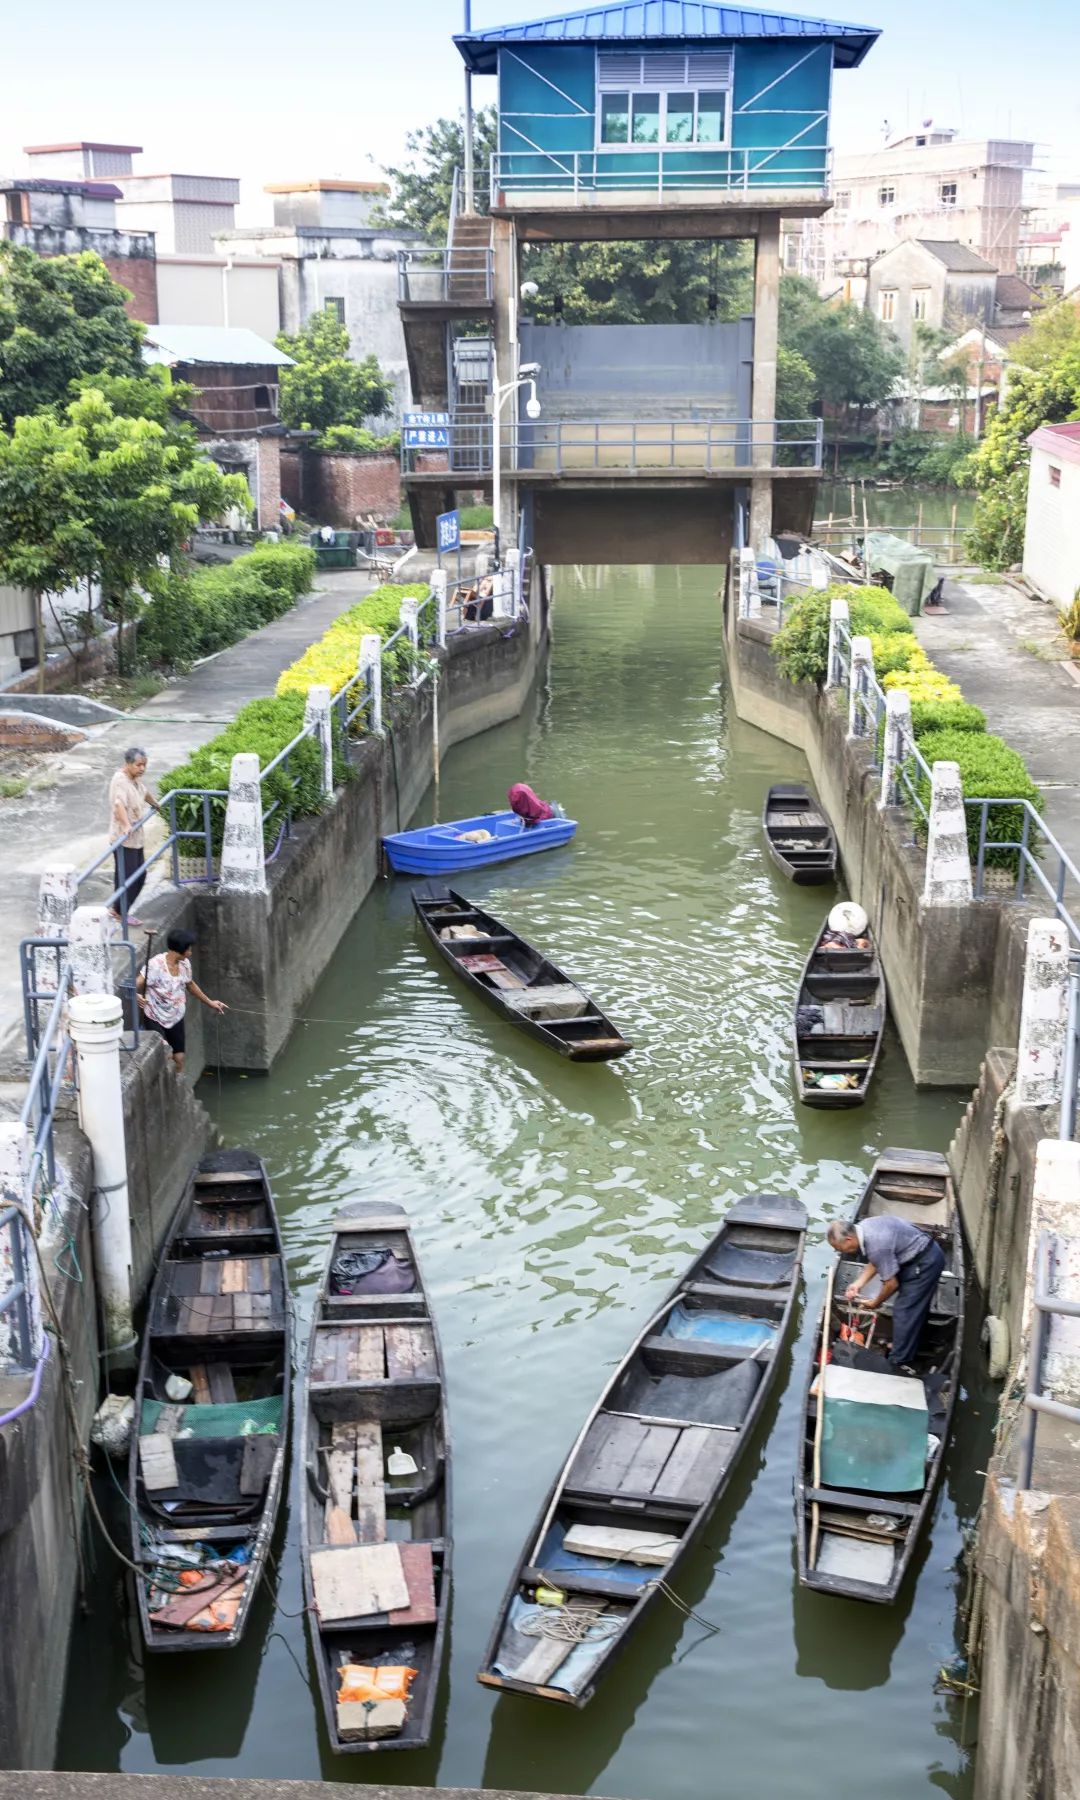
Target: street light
x: 526, y: 377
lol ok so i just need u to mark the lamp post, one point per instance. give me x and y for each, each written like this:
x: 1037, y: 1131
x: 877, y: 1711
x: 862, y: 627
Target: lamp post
x: 525, y: 377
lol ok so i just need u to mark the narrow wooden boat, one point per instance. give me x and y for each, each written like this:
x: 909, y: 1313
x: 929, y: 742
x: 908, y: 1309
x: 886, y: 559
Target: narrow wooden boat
x: 375, y: 1537
x: 211, y: 1410
x: 839, y: 1021
x: 520, y: 984
x: 473, y: 843
x: 801, y: 841
x: 652, y: 1459
x: 857, y: 1529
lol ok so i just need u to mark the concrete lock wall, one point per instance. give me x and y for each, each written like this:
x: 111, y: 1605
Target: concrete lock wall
x: 41, y: 1496
x: 643, y: 371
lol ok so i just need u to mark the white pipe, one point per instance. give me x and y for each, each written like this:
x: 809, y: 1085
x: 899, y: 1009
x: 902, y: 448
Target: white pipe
x: 95, y: 1022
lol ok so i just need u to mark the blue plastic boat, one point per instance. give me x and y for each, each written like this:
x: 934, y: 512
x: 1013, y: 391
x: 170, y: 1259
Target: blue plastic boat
x: 444, y: 850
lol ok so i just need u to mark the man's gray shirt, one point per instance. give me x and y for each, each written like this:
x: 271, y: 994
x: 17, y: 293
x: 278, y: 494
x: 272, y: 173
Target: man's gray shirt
x: 889, y: 1243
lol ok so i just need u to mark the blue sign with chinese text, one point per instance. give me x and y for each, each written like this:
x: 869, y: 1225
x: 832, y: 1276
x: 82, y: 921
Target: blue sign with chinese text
x: 425, y: 430
x: 448, y: 531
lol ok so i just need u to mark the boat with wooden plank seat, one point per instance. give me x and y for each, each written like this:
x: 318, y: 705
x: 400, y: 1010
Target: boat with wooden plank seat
x: 496, y: 837
x: 375, y: 1532
x: 801, y: 841
x: 211, y: 1409
x: 839, y: 1020
x: 653, y: 1458
x: 520, y: 984
x: 870, y: 1461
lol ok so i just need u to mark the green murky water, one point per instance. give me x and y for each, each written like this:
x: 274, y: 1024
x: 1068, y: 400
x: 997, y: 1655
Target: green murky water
x: 553, y: 1205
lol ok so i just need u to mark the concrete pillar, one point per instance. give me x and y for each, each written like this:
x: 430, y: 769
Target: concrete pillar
x: 1043, y: 1011
x: 317, y: 714
x: 838, y: 616
x: 58, y: 896
x: 862, y: 664
x: 91, y: 957
x: 763, y: 389
x: 506, y: 281
x: 512, y: 561
x: 438, y: 591
x: 948, y: 861
x: 243, y: 853
x: 18, y: 1263
x: 898, y: 735
x: 96, y: 1024
x: 370, y: 664
x: 481, y: 564
x: 1055, y: 1207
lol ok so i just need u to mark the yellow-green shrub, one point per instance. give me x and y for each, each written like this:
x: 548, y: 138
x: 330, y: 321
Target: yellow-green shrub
x: 895, y: 650
x: 925, y: 683
x: 333, y: 657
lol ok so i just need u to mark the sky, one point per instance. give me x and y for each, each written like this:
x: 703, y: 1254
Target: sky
x: 269, y: 92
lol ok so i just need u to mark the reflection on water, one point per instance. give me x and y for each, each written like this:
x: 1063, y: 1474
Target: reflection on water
x: 552, y: 1206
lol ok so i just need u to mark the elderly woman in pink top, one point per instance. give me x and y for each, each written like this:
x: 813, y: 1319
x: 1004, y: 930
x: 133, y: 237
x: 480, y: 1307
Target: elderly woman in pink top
x: 163, y: 988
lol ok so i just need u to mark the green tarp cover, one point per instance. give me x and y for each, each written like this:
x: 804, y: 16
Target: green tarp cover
x: 874, y: 1435
x: 234, y: 1418
x: 914, y: 576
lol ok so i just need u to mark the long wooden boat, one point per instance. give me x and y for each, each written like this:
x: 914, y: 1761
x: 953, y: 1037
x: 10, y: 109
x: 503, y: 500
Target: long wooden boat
x: 375, y: 1532
x: 839, y: 1020
x: 857, y: 1529
x: 211, y: 1410
x: 520, y: 984
x: 800, y: 839
x: 652, y: 1459
x: 473, y: 843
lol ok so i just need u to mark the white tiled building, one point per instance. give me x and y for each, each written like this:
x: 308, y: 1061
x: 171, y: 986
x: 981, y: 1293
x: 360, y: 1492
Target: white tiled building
x: 1052, y: 529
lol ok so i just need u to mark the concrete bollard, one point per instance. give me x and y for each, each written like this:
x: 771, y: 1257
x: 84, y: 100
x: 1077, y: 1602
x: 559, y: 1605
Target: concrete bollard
x: 243, y: 853
x: 481, y: 564
x: 838, y: 616
x: 749, y: 599
x: 96, y: 1024
x: 1055, y: 1207
x: 898, y: 735
x: 438, y: 590
x: 370, y: 664
x: 14, y: 1169
x: 862, y: 664
x: 58, y: 896
x: 948, y: 861
x: 409, y: 616
x: 317, y: 714
x: 1043, y: 1012
x: 90, y: 950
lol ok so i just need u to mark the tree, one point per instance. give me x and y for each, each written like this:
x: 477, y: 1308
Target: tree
x: 639, y: 283
x: 796, y: 385
x: 421, y: 189
x: 326, y: 388
x: 61, y: 317
x: 1050, y: 336
x: 1048, y: 394
x: 856, y: 360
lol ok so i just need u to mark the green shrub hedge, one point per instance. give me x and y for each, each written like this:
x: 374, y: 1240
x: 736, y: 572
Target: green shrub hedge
x: 945, y: 715
x: 199, y: 612
x: 801, y: 646
x: 989, y: 770
x: 264, y: 727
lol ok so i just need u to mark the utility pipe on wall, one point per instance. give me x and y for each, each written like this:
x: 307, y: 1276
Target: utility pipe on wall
x: 96, y: 1022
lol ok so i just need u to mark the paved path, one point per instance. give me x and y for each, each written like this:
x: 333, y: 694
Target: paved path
x: 67, y: 820
x: 1004, y: 650
x: 38, y: 1785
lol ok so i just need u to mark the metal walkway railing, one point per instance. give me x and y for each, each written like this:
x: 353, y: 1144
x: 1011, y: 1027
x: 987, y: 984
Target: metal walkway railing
x: 1044, y: 1303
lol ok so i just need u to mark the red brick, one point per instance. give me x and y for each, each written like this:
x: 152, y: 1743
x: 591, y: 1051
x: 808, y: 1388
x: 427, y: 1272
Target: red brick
x: 139, y: 275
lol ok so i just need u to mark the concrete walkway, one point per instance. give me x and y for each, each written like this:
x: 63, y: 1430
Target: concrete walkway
x: 67, y: 820
x: 1004, y: 650
x: 31, y: 1785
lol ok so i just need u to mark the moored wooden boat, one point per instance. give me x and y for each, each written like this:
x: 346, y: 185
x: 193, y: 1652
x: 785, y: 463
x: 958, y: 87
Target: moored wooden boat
x: 857, y: 1531
x: 801, y: 841
x: 473, y: 843
x: 375, y: 1532
x: 211, y: 1410
x: 839, y: 1020
x: 520, y: 984
x: 652, y: 1459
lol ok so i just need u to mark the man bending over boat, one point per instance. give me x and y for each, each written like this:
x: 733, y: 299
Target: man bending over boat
x: 908, y: 1263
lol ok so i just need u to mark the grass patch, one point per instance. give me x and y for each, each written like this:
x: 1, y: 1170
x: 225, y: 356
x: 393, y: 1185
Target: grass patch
x: 125, y: 691
x: 13, y: 787
x: 1044, y: 652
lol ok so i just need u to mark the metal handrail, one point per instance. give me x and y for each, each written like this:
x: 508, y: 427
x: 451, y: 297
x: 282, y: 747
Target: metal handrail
x: 36, y: 1115
x: 1035, y: 1401
x: 453, y: 275
x: 656, y: 168
x: 553, y: 446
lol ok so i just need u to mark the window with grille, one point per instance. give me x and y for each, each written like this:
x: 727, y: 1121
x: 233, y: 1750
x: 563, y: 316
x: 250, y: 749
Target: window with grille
x: 887, y: 305
x: 947, y: 192
x: 1055, y: 476
x: 842, y: 200
x: 664, y: 97
x: 886, y: 196
x: 336, y: 305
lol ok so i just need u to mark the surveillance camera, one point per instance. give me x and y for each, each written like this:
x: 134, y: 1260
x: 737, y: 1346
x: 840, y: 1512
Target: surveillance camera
x: 528, y: 369
x: 529, y: 290
x: 532, y: 408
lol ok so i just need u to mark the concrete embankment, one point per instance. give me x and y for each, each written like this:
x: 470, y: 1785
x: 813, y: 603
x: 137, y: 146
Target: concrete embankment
x: 31, y: 1785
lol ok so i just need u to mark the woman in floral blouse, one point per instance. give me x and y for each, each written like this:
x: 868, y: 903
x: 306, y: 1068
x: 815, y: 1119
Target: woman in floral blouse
x: 164, y: 986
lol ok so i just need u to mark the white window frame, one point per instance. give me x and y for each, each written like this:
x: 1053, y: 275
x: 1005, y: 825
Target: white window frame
x: 887, y: 305
x: 944, y: 188
x: 886, y: 194
x: 920, y: 302
x: 1054, y: 473
x: 665, y: 73
x: 842, y: 200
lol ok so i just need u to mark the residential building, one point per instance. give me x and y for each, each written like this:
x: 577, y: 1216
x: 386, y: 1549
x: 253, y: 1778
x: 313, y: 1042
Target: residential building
x: 1052, y: 529
x: 183, y: 211
x: 332, y: 254
x: 937, y: 283
x: 235, y: 374
x: 219, y: 290
x: 61, y: 216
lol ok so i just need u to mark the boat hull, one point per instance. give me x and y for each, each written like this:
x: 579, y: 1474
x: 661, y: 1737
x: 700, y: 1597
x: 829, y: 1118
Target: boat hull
x: 439, y: 849
x: 799, y: 836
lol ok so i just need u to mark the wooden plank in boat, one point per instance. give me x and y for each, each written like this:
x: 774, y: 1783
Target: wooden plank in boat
x: 610, y: 1447
x: 340, y: 1461
x: 157, y: 1462
x: 226, y: 1177
x: 200, y: 1382
x: 419, y: 1571
x: 233, y: 1276
x: 262, y: 1306
x: 644, y: 1472
x: 242, y: 1315
x: 867, y: 1503
x: 695, y: 1465
x: 210, y: 1276
x: 355, y: 1582
x: 410, y: 1352
x: 620, y: 1544
x: 550, y: 1652
x: 258, y: 1277
x: 370, y: 1487
x: 220, y: 1381
x: 222, y: 1322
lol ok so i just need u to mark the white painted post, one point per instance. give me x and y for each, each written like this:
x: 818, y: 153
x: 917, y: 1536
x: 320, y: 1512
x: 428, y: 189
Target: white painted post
x: 317, y: 714
x: 14, y: 1168
x: 838, y: 615
x: 948, y: 861
x: 91, y: 959
x: 408, y: 616
x: 748, y: 594
x: 1055, y: 1207
x: 482, y: 563
x: 58, y: 896
x: 243, y: 853
x: 438, y: 590
x: 862, y: 664
x: 898, y: 735
x: 96, y: 1024
x: 513, y: 581
x: 370, y: 664
x: 1043, y: 1010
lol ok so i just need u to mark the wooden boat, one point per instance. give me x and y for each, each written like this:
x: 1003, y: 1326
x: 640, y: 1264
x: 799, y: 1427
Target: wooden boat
x: 375, y: 1538
x: 211, y: 1410
x: 652, y: 1459
x: 855, y: 1538
x: 447, y: 849
x: 516, y: 980
x: 839, y: 1021
x: 801, y: 841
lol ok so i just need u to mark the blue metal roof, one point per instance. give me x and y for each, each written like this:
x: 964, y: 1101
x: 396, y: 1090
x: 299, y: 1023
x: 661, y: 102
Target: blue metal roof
x: 647, y: 21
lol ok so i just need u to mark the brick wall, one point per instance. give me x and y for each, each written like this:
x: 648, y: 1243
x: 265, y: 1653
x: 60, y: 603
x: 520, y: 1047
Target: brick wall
x: 335, y: 489
x: 291, y: 471
x: 269, y: 482
x: 139, y: 275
